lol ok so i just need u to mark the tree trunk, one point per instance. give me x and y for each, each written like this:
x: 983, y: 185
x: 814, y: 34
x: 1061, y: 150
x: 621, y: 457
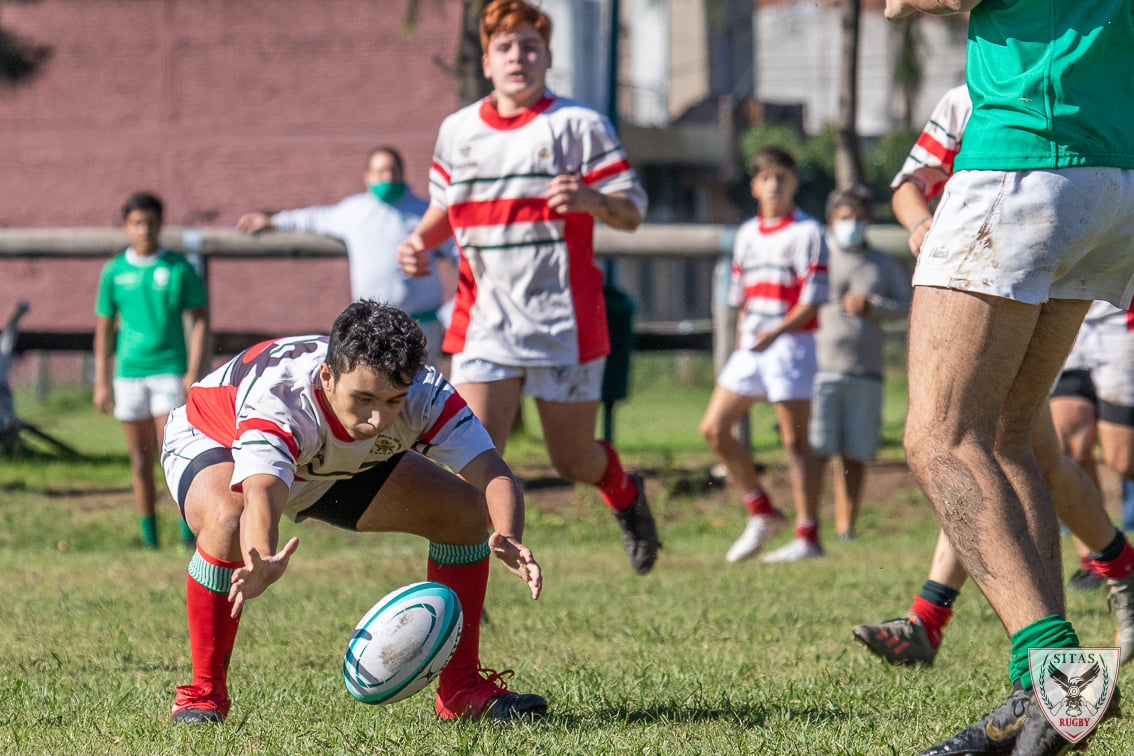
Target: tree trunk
x: 467, y: 69
x: 848, y: 155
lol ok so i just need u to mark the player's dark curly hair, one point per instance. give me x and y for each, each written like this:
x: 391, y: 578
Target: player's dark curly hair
x: 380, y: 337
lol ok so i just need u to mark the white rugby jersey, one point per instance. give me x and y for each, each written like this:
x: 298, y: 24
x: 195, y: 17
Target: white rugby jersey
x: 775, y: 266
x: 529, y: 292
x: 267, y: 405
x: 937, y: 146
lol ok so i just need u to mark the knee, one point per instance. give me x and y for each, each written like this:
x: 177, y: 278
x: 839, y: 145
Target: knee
x: 571, y: 468
x: 713, y: 433
x: 466, y: 521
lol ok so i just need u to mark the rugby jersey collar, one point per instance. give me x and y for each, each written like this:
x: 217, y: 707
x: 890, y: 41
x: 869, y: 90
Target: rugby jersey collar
x: 337, y: 428
x: 779, y: 225
x: 492, y: 117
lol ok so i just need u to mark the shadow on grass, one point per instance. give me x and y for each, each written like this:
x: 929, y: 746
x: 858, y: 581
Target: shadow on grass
x: 749, y: 716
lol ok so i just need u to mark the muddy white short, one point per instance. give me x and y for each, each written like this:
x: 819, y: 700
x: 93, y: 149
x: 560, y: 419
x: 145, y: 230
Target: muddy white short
x: 1035, y: 235
x: 566, y: 383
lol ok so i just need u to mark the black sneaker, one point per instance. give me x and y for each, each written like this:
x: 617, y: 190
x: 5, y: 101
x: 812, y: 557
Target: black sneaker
x: 639, y: 532
x: 1038, y: 738
x: 1085, y: 580
x: 994, y: 735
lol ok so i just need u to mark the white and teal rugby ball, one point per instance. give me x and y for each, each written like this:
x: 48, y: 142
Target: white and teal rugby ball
x: 402, y: 643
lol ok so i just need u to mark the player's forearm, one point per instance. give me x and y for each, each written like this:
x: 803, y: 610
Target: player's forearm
x: 264, y: 500
x: 942, y: 7
x: 433, y: 228
x: 103, y: 337
x: 505, y: 499
x: 910, y: 207
x: 617, y: 211
x: 198, y: 339
x: 797, y: 317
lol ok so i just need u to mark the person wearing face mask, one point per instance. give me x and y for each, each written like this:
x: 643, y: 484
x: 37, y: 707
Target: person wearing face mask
x: 371, y: 224
x: 867, y: 288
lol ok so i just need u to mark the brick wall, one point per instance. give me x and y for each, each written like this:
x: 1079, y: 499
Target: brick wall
x: 220, y: 106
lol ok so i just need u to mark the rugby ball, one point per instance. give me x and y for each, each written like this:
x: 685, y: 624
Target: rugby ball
x: 402, y: 643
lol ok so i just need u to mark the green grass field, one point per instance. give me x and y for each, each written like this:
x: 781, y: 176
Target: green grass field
x: 699, y: 657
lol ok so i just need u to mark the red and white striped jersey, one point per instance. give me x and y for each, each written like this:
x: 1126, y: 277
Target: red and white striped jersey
x: 529, y: 292
x: 774, y: 267
x: 930, y: 163
x: 267, y: 405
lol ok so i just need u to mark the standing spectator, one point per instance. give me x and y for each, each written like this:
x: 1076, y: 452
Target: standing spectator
x: 779, y: 280
x: 371, y: 224
x: 867, y: 288
x: 1036, y: 222
x: 143, y: 293
x: 519, y: 178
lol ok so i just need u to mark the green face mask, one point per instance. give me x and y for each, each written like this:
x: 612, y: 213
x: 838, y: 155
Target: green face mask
x: 388, y: 191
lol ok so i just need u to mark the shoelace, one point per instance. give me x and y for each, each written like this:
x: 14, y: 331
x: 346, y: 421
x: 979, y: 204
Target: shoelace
x: 494, y: 678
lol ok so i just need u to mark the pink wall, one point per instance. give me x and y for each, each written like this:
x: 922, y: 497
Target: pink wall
x: 220, y: 107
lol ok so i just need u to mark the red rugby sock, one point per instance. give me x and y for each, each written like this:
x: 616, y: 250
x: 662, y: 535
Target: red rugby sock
x: 212, y: 631
x: 757, y: 502
x: 618, y: 491
x: 933, y: 617
x: 469, y: 582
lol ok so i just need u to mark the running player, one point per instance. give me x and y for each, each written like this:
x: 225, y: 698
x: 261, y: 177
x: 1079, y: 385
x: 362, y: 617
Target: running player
x: 519, y: 179
x: 347, y: 430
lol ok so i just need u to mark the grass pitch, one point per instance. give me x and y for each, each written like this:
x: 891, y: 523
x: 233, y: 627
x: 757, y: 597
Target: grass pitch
x: 699, y: 657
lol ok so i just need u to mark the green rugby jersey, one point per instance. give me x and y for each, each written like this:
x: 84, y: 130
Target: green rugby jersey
x: 1052, y: 84
x: 148, y: 300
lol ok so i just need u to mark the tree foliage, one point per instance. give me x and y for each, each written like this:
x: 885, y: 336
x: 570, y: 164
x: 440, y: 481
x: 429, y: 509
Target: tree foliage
x: 815, y: 162
x: 20, y: 58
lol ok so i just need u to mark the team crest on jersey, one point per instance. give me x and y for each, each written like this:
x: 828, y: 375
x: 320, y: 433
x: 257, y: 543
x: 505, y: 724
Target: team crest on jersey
x: 384, y: 446
x: 161, y: 277
x: 1073, y: 686
x: 544, y: 154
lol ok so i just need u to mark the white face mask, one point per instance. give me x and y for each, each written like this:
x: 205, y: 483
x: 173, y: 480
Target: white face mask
x: 849, y: 233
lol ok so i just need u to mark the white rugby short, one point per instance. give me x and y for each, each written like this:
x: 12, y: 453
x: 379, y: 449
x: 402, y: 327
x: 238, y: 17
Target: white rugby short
x: 782, y: 372
x: 1034, y: 235
x: 145, y: 398
x: 566, y: 383
x: 1106, y: 351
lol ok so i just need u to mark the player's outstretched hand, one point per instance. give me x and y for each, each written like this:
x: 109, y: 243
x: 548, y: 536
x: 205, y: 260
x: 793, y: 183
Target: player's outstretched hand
x: 413, y: 257
x: 518, y: 558
x: 257, y: 574
x: 252, y: 222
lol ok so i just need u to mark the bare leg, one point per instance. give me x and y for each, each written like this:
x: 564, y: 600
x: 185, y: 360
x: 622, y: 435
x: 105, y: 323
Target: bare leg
x: 946, y: 568
x: 569, y: 432
x: 805, y: 483
x: 724, y: 411
x: 143, y: 444
x: 979, y: 371
x: 495, y: 405
x: 849, y: 474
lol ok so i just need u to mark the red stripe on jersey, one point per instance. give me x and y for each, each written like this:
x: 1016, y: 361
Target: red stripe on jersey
x: 267, y: 426
x: 585, y: 280
x: 499, y: 212
x: 779, y: 225
x: 606, y: 171
x: 336, y: 427
x: 492, y: 117
x: 253, y: 352
x: 454, y: 342
x: 212, y: 410
x: 936, y: 149
x: 437, y: 167
x: 453, y: 405
x: 1130, y: 319
x: 779, y: 292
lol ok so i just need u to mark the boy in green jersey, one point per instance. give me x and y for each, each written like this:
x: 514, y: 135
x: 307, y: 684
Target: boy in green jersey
x: 142, y: 294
